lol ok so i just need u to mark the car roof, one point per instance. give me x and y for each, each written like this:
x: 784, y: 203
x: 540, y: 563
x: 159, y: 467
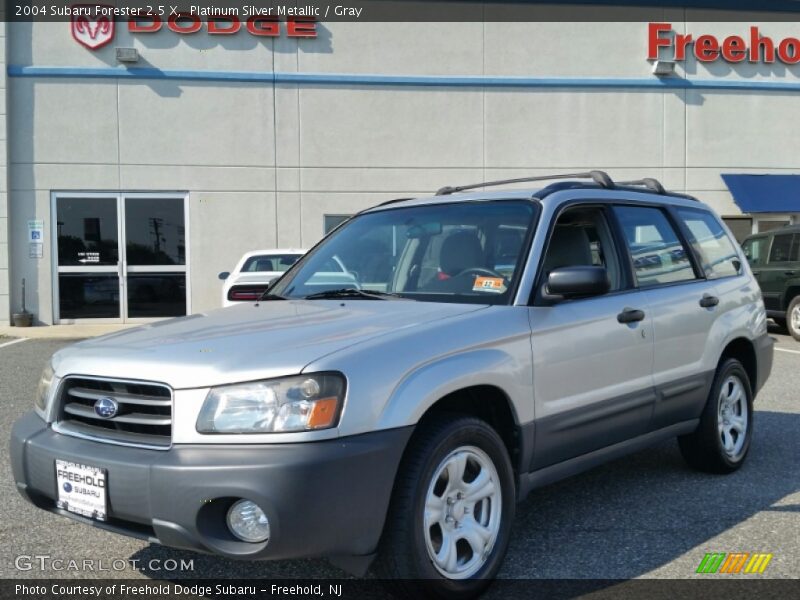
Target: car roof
x: 272, y: 251
x: 778, y: 231
x: 551, y: 193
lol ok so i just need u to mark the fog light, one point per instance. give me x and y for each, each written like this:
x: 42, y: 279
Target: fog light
x: 248, y: 522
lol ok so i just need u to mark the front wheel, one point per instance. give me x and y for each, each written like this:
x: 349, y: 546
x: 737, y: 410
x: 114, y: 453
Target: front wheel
x: 722, y: 439
x: 449, y: 521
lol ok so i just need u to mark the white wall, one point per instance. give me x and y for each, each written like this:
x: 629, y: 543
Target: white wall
x: 5, y: 273
x: 263, y: 164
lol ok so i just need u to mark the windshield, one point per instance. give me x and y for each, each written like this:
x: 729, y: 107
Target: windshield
x: 460, y: 252
x: 274, y: 263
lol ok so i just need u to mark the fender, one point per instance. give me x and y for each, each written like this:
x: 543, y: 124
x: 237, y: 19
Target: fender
x: 422, y: 388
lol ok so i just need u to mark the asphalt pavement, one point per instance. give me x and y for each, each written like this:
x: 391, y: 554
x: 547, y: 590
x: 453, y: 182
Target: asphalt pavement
x: 644, y: 516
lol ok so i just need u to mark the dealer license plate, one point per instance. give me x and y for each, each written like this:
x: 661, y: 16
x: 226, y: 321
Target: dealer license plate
x: 81, y: 489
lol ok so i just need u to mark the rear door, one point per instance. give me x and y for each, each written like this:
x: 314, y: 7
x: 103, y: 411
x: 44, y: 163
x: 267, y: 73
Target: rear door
x: 780, y: 269
x: 683, y: 304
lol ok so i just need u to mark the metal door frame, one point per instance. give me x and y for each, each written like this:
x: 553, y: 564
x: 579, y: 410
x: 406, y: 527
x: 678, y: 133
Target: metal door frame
x: 122, y: 269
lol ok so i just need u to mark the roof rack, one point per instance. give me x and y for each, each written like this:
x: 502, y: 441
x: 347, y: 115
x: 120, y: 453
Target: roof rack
x: 651, y: 184
x: 601, y: 178
x: 393, y: 200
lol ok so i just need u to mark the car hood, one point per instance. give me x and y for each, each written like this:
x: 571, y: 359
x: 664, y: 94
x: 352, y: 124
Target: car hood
x: 244, y: 342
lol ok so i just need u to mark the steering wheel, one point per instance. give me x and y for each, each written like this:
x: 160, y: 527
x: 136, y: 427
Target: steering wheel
x: 478, y: 271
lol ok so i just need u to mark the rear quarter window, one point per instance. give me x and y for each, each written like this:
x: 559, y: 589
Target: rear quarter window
x: 711, y: 242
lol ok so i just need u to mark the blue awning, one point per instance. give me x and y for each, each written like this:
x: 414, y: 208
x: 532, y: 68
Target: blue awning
x: 765, y: 193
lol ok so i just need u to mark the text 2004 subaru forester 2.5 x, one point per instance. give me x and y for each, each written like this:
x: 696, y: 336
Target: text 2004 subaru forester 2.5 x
x: 479, y: 345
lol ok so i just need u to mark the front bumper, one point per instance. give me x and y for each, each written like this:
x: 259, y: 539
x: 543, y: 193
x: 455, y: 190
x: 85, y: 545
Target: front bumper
x: 326, y: 498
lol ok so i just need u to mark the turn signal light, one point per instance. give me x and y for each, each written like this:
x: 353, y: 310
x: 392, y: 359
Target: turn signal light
x: 323, y: 414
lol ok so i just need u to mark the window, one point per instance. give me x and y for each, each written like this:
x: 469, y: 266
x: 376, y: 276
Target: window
x: 781, y: 248
x: 331, y: 222
x: 755, y: 251
x: 712, y: 244
x: 581, y: 237
x: 741, y: 227
x: 771, y: 225
x: 658, y: 255
x: 269, y: 263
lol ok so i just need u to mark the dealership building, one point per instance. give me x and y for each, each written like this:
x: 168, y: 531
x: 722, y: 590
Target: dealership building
x: 143, y: 158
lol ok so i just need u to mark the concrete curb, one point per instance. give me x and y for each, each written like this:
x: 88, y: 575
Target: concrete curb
x: 62, y: 331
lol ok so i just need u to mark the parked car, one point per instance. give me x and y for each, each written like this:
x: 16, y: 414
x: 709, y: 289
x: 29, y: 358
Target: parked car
x: 487, y: 343
x: 774, y: 258
x: 254, y: 272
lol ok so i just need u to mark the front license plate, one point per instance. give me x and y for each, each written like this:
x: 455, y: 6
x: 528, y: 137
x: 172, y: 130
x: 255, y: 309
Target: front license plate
x: 81, y: 489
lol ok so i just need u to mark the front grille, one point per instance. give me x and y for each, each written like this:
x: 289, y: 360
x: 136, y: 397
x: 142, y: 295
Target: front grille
x: 143, y: 416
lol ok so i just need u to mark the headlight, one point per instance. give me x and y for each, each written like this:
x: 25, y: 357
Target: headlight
x: 302, y: 403
x: 43, y: 391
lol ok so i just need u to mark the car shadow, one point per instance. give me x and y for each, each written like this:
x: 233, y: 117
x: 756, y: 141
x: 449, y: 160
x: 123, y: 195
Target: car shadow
x: 618, y: 521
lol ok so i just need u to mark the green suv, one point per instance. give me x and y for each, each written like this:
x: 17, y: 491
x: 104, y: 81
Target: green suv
x: 774, y: 258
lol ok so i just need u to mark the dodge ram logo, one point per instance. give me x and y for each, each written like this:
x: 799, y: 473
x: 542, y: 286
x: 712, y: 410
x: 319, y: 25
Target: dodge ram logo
x: 106, y: 408
x: 91, y: 29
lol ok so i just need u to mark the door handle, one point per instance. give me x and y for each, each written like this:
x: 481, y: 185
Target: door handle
x: 788, y: 273
x: 708, y: 301
x: 630, y: 315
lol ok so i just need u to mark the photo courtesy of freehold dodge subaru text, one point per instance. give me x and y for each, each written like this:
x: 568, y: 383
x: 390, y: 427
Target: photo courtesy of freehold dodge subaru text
x: 418, y: 300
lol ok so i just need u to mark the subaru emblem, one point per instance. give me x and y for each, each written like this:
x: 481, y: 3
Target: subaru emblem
x: 106, y: 407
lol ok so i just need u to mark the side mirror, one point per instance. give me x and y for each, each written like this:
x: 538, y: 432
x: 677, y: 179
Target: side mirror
x: 224, y: 275
x: 575, y: 282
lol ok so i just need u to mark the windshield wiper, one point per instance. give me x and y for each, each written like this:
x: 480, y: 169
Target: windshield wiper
x: 351, y: 293
x: 268, y: 296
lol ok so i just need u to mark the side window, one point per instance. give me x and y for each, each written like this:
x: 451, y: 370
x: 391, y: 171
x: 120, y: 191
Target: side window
x: 710, y: 241
x: 658, y: 255
x: 781, y: 248
x: 755, y: 251
x: 582, y: 237
x: 795, y: 255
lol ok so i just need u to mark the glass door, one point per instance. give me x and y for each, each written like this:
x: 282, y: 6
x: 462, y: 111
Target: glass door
x: 120, y: 257
x: 155, y: 257
x: 88, y: 273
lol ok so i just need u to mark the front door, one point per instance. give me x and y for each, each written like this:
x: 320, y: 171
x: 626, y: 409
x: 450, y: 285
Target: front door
x: 592, y: 357
x: 119, y: 257
x: 774, y: 277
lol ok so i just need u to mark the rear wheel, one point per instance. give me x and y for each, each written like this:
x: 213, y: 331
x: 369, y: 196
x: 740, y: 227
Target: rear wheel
x: 780, y: 322
x: 449, y: 521
x: 793, y: 318
x: 721, y: 441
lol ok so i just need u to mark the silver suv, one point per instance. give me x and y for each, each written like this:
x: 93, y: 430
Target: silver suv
x: 481, y: 345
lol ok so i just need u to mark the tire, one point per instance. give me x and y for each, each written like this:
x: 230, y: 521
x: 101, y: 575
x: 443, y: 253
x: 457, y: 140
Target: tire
x: 406, y: 553
x: 781, y: 323
x: 718, y: 445
x: 793, y: 318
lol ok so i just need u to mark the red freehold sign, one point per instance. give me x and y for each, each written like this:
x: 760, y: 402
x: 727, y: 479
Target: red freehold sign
x: 753, y: 47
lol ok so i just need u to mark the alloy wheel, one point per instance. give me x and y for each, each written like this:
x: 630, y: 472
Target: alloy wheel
x: 463, y: 510
x: 732, y: 416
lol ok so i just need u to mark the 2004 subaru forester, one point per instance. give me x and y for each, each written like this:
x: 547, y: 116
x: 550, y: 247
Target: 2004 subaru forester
x: 477, y: 346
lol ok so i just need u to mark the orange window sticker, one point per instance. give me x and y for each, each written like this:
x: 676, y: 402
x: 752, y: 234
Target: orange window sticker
x: 489, y: 284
